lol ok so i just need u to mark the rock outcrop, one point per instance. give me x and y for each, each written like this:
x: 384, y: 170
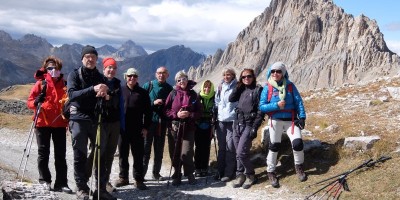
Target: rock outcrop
x: 321, y: 45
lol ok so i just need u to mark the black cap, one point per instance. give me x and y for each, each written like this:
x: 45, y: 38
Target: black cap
x: 88, y: 49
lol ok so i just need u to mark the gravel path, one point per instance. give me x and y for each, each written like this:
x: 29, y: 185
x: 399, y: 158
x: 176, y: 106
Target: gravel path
x: 12, y: 144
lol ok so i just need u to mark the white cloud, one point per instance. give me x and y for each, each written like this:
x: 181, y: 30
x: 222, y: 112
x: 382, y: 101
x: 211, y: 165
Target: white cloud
x: 394, y: 45
x: 202, y: 25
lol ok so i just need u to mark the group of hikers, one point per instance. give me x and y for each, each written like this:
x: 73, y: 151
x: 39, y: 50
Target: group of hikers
x: 105, y: 114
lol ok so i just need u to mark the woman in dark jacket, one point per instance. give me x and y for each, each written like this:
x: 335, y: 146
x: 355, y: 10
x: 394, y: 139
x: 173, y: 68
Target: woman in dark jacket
x: 183, y: 108
x: 203, y: 134
x: 249, y: 118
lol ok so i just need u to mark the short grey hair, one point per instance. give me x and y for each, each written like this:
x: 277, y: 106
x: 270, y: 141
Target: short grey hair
x: 180, y: 74
x: 230, y: 70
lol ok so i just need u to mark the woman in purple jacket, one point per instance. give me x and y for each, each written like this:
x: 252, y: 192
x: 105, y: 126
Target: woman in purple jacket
x: 183, y: 108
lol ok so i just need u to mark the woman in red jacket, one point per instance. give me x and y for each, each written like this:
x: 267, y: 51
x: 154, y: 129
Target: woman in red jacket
x: 46, y: 93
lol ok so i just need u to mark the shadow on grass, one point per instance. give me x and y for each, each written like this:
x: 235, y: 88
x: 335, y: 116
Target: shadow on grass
x: 318, y: 161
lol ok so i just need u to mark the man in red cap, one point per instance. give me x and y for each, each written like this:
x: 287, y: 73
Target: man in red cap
x: 112, y: 119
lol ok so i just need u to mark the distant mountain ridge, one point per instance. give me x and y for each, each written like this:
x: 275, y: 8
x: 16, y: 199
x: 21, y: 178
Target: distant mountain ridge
x: 321, y: 45
x: 20, y: 58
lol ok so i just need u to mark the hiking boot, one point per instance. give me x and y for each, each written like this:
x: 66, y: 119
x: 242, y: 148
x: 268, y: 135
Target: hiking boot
x: 104, y: 195
x: 176, y: 175
x: 158, y: 177
x: 250, y: 180
x: 273, y: 179
x: 192, y: 179
x: 226, y: 179
x: 238, y: 182
x: 197, y: 173
x: 82, y: 195
x: 110, y: 188
x: 176, y: 181
x: 204, y: 173
x: 140, y: 185
x: 121, y: 182
x: 62, y: 188
x: 217, y: 176
x: 300, y: 172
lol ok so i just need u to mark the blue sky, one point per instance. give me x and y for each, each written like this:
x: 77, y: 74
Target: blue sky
x: 202, y: 25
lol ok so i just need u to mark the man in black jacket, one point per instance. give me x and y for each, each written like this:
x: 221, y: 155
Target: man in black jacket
x: 86, y: 88
x: 138, y: 115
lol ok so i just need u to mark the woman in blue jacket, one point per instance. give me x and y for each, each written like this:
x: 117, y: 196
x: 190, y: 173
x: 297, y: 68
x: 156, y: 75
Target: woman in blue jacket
x: 282, y: 102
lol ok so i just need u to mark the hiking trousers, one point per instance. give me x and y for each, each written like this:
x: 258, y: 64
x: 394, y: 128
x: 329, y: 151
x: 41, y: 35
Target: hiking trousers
x: 131, y: 140
x: 276, y: 131
x: 156, y: 138
x: 202, y: 141
x: 43, y: 137
x: 226, y: 150
x: 243, y: 144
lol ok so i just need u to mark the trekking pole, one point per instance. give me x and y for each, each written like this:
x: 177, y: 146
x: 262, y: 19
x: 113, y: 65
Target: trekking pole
x: 342, y: 177
x: 216, y: 152
x: 174, y: 154
x: 347, y: 172
x: 97, y: 148
x: 29, y: 141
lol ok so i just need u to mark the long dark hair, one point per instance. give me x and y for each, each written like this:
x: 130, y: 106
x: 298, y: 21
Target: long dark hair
x: 254, y: 83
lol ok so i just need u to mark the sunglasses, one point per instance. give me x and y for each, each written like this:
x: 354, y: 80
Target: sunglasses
x: 134, y: 76
x: 50, y: 68
x: 182, y: 80
x: 276, y: 71
x: 247, y: 76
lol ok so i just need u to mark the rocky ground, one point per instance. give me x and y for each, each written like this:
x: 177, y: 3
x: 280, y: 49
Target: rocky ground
x: 12, y: 145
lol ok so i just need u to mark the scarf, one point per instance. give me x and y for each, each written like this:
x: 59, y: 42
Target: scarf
x: 282, y: 89
x: 207, y: 97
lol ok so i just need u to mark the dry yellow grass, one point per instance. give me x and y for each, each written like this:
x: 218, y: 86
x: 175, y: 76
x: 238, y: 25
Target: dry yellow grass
x: 355, y: 110
x: 19, y: 92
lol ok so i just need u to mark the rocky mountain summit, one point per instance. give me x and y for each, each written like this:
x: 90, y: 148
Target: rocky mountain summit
x: 321, y: 45
x: 20, y: 58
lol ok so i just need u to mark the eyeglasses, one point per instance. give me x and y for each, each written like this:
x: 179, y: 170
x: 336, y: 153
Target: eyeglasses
x: 247, y: 76
x: 50, y: 68
x: 276, y: 71
x: 182, y: 80
x: 132, y: 75
x: 161, y: 73
x: 88, y: 56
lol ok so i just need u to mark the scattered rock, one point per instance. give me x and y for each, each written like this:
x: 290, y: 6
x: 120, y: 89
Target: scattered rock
x: 24, y: 190
x: 364, y: 143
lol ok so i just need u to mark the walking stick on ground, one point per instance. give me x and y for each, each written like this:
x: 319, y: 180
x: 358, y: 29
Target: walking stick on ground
x: 28, y: 143
x: 341, y: 180
x: 174, y: 154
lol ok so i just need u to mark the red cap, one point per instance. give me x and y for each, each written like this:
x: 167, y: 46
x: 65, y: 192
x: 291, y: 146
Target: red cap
x: 109, y: 61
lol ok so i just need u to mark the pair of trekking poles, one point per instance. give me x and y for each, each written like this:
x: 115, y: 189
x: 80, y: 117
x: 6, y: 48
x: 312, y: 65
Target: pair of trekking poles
x: 334, y: 188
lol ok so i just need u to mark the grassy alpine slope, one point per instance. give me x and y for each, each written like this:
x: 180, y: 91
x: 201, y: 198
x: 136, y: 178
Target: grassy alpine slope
x: 355, y: 109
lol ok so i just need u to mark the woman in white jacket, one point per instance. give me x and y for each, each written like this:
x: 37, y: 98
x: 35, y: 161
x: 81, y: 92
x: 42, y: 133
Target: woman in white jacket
x: 226, y: 115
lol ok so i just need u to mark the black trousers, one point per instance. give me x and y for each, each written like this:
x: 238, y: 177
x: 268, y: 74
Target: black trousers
x: 84, y: 131
x: 202, y: 142
x: 43, y: 137
x: 133, y: 140
x: 155, y: 134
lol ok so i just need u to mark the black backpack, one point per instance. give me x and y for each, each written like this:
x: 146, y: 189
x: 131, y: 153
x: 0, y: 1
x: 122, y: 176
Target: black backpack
x: 66, y: 104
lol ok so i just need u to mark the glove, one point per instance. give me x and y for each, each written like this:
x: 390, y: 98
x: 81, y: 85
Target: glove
x: 300, y: 123
x: 253, y: 133
x: 39, y: 99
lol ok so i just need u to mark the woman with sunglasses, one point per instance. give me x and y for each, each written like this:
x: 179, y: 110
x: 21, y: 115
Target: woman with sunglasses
x: 282, y: 102
x: 183, y: 108
x: 249, y: 118
x: 46, y: 94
